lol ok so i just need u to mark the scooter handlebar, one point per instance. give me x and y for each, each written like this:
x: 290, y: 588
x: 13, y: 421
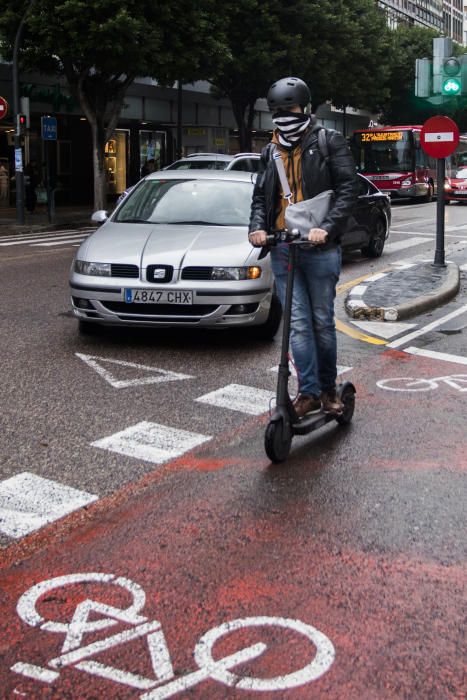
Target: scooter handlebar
x: 286, y: 236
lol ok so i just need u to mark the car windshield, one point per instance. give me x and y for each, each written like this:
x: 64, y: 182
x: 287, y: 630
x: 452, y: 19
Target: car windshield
x: 209, y: 202
x: 198, y: 165
x: 462, y: 173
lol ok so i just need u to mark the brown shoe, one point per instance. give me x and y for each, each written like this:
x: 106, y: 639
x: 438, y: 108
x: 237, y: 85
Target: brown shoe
x: 331, y: 402
x: 304, y: 404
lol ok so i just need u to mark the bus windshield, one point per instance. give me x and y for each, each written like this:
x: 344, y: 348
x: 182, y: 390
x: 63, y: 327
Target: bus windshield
x: 383, y: 151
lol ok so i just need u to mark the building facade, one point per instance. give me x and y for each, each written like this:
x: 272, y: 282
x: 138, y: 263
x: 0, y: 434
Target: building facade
x: 148, y: 129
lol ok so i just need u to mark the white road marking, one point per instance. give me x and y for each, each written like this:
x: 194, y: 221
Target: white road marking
x: 359, y: 290
x: 414, y: 221
x: 237, y: 397
x: 426, y: 329
x: 158, y: 375
x: 151, y: 442
x: 402, y: 245
x: 382, y: 329
x: 423, y: 233
x: 401, y: 265
x: 463, y: 268
x: 434, y: 355
x: 28, y: 502
x: 376, y: 276
x: 36, y: 240
x: 44, y: 234
x: 62, y: 241
x: 35, y: 672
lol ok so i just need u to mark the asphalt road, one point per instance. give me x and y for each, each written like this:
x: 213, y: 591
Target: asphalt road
x: 359, y: 539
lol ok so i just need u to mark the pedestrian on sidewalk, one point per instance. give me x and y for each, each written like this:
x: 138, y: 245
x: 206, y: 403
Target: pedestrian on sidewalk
x: 309, y: 172
x: 30, y: 185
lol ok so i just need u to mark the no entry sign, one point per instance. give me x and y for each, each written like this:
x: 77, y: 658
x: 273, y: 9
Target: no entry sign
x: 3, y: 107
x: 439, y: 137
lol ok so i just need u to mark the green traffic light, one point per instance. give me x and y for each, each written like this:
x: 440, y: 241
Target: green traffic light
x: 451, y: 86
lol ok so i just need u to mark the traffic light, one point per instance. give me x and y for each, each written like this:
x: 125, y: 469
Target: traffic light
x: 451, y: 81
x: 20, y: 124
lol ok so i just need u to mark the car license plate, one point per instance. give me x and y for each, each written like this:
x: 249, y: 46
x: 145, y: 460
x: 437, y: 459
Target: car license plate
x: 460, y: 192
x: 156, y: 296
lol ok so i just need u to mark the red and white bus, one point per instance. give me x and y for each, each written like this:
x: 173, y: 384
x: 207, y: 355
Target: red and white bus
x: 392, y: 158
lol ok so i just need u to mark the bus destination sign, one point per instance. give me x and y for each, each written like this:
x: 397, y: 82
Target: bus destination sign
x: 370, y: 136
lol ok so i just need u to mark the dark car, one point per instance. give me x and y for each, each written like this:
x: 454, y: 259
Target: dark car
x: 369, y: 224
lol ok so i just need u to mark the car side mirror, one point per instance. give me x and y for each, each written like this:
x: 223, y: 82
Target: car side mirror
x: 99, y: 216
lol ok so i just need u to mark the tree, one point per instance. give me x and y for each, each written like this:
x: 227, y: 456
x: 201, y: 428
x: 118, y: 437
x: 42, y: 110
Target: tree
x: 337, y: 47
x: 101, y: 46
x: 408, y: 42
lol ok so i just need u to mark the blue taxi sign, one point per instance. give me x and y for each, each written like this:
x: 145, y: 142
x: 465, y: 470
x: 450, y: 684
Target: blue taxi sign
x: 49, y: 128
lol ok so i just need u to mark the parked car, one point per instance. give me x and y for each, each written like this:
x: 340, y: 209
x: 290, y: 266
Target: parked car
x: 175, y: 252
x: 246, y: 162
x: 455, y: 188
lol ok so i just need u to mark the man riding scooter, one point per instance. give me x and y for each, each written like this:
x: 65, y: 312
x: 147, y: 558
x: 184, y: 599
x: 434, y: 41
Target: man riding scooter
x: 309, y: 172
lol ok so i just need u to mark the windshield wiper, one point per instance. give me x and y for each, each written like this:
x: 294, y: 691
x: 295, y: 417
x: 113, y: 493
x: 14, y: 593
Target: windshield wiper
x: 133, y: 221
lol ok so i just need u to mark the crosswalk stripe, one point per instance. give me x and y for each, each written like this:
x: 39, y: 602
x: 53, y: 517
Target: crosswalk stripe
x: 43, y: 234
x: 31, y: 241
x: 63, y: 241
x: 401, y: 245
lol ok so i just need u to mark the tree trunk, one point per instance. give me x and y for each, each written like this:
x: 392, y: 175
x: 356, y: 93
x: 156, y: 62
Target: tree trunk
x: 100, y: 184
x: 244, y: 133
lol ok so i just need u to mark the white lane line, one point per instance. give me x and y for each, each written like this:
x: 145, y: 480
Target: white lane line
x: 28, y: 501
x: 422, y: 233
x: 151, y: 442
x: 434, y: 355
x: 402, y: 245
x: 158, y: 375
x: 463, y: 268
x: 63, y: 241
x: 426, y: 329
x: 237, y: 397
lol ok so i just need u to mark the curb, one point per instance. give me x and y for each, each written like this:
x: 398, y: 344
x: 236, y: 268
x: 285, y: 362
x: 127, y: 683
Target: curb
x: 356, y: 307
x: 15, y: 229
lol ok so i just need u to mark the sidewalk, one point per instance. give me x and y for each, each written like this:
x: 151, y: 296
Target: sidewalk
x: 403, y: 291
x: 65, y: 216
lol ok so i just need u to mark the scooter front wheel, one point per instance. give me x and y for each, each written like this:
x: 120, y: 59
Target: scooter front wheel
x: 347, y: 396
x: 277, y: 440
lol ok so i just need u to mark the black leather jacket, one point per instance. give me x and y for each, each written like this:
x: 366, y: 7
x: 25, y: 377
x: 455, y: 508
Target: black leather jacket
x: 338, y: 174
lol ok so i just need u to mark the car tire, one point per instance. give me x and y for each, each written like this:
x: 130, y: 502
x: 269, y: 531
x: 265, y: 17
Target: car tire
x: 267, y: 330
x: 86, y: 328
x: 375, y: 247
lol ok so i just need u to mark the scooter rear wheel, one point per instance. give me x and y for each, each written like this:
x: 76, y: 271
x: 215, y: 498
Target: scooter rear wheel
x: 277, y: 440
x: 348, y: 399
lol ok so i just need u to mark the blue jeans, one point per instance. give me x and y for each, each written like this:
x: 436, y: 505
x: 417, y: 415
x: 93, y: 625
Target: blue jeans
x: 313, y: 331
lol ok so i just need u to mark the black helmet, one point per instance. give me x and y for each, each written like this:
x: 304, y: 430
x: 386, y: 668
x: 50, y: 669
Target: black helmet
x: 287, y: 92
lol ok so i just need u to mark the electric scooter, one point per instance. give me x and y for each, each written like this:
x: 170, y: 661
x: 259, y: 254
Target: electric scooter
x: 284, y: 422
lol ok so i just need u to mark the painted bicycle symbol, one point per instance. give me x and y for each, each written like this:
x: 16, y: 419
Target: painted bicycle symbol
x: 455, y: 381
x: 164, y: 684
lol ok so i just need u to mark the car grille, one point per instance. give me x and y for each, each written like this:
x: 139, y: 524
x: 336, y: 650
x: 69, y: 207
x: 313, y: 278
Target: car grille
x: 124, y: 270
x: 196, y: 273
x: 160, y: 309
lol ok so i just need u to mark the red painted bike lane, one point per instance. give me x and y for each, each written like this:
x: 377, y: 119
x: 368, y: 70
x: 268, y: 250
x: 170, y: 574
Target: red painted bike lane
x: 340, y: 574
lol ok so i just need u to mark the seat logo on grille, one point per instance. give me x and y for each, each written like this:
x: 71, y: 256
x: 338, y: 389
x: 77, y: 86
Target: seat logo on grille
x: 159, y: 273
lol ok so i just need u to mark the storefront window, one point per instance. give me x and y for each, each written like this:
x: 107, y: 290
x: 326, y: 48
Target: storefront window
x: 116, y: 162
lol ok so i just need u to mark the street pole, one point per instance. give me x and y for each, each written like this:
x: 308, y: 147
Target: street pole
x: 440, y: 175
x: 179, y: 119
x: 19, y: 174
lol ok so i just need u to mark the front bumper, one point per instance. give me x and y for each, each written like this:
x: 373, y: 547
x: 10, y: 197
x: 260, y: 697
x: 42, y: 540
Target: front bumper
x: 213, y: 306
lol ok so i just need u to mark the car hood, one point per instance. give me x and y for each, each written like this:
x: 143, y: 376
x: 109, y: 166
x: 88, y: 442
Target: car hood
x: 164, y: 244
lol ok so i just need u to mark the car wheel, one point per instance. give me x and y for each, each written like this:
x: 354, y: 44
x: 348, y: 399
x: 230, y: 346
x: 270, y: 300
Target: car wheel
x: 267, y: 330
x: 86, y: 328
x: 375, y: 247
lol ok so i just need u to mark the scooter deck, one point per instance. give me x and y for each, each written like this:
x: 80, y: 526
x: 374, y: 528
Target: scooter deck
x: 312, y: 422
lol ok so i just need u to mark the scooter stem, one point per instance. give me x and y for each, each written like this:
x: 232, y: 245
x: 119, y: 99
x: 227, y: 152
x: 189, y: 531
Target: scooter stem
x: 282, y: 381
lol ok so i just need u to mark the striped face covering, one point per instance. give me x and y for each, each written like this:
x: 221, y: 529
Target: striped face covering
x: 290, y: 126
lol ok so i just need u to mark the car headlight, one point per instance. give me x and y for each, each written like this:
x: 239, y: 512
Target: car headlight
x: 92, y: 268
x: 447, y: 185
x: 236, y: 273
x: 406, y: 183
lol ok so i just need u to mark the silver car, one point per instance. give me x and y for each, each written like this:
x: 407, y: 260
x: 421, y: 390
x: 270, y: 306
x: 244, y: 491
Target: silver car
x: 175, y: 252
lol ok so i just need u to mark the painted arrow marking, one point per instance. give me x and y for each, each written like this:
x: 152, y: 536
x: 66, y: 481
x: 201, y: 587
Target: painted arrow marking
x: 158, y: 375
